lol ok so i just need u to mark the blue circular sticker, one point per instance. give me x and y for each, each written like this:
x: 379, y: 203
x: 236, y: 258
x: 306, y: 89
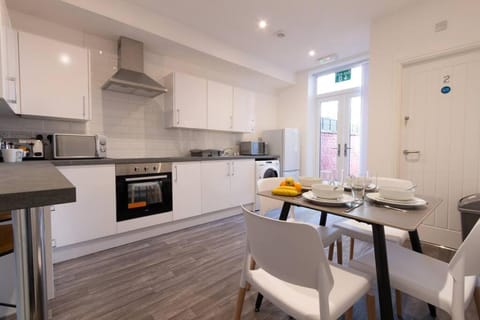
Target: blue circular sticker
x: 446, y: 89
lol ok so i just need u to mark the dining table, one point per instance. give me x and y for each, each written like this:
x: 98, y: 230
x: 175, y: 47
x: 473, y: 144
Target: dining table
x: 378, y: 216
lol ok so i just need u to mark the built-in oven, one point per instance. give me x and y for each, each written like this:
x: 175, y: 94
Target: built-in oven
x: 143, y: 189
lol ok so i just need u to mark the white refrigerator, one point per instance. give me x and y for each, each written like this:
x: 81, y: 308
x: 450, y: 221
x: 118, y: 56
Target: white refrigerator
x: 286, y: 144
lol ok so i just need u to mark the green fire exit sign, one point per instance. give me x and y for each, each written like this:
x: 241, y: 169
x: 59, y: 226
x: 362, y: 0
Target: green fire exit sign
x: 343, y: 75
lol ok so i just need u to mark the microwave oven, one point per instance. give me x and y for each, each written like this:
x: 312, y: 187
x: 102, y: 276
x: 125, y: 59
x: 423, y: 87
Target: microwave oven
x: 253, y: 148
x: 79, y: 146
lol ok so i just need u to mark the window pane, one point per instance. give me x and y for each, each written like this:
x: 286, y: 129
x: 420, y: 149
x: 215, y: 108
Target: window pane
x: 327, y: 84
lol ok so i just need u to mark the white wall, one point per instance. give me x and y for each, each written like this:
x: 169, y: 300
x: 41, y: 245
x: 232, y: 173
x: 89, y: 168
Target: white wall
x: 134, y: 125
x: 401, y: 37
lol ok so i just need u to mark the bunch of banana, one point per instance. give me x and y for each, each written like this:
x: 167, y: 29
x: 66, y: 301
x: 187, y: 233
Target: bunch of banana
x: 288, y: 187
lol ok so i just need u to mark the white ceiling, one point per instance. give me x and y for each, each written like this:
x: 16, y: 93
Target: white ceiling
x: 340, y: 27
x: 223, y: 34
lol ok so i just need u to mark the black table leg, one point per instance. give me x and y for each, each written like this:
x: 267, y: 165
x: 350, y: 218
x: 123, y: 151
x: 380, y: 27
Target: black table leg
x: 323, y: 218
x: 283, y: 216
x: 417, y: 247
x: 383, y: 276
x: 285, y: 211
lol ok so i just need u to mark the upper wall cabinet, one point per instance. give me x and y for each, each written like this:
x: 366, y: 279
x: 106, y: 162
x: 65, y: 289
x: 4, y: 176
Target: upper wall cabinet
x: 186, y: 101
x: 54, y: 78
x: 243, y: 110
x: 9, y: 84
x: 220, y: 105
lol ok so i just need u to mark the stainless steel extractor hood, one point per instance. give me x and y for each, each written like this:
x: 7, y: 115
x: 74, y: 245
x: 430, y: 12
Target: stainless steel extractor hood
x: 130, y: 77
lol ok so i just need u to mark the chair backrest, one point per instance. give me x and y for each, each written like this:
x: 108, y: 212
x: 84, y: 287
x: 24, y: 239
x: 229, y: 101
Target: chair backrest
x: 465, y: 262
x: 290, y: 251
x: 467, y: 257
x: 267, y: 204
x: 392, y: 182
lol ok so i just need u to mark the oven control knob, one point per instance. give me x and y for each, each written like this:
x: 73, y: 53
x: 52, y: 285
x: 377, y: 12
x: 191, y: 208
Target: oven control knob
x: 145, y: 169
x: 154, y: 168
x: 135, y: 169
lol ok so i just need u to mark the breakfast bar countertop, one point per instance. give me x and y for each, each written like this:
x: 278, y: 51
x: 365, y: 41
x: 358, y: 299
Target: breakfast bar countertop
x: 33, y: 184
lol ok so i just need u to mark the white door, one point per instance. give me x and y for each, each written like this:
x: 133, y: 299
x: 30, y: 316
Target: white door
x: 219, y: 106
x: 242, y: 183
x: 243, y: 110
x: 339, y: 133
x: 187, y: 190
x: 440, y: 147
x: 215, y: 185
x: 190, y: 101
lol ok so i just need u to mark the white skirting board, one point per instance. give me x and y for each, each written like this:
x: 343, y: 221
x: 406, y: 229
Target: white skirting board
x: 88, y: 247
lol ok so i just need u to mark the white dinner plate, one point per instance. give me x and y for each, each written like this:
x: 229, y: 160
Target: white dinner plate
x: 413, y: 203
x: 310, y: 196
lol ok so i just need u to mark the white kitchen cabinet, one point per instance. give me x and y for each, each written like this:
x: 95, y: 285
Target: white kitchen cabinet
x: 219, y: 106
x: 243, y: 110
x: 227, y: 184
x: 54, y: 78
x: 93, y: 214
x: 187, y: 190
x: 242, y: 182
x: 186, y: 101
x: 9, y: 73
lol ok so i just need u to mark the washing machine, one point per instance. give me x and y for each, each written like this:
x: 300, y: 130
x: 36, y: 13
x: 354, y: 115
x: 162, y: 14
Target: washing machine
x: 265, y: 169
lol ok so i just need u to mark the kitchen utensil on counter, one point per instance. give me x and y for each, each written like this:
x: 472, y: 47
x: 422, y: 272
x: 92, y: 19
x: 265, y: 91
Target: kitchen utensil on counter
x: 12, y: 155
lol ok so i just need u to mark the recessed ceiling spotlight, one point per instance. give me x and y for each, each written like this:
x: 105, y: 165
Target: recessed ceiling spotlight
x: 312, y: 53
x: 100, y: 52
x: 262, y: 24
x: 327, y: 59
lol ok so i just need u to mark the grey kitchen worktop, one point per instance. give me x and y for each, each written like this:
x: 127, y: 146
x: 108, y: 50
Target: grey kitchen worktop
x: 33, y: 184
x: 73, y: 162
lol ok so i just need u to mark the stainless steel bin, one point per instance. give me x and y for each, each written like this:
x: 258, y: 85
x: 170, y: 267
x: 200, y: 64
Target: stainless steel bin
x: 469, y: 207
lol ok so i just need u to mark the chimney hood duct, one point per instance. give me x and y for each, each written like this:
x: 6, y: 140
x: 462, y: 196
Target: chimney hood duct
x: 130, y: 77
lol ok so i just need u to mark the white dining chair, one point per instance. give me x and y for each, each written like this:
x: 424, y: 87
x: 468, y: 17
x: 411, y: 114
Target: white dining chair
x: 448, y: 286
x: 293, y: 273
x: 363, y: 231
x: 329, y: 235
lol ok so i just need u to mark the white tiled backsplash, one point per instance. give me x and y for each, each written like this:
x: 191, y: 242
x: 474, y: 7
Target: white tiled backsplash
x: 133, y: 125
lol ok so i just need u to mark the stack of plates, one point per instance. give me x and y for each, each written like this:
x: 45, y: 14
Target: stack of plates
x: 412, y: 203
x: 343, y: 200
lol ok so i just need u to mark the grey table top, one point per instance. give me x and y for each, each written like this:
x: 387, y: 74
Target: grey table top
x: 73, y: 162
x: 33, y: 184
x: 370, y: 212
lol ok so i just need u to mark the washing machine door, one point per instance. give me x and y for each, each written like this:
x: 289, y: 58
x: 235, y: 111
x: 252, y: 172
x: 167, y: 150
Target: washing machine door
x: 270, y: 173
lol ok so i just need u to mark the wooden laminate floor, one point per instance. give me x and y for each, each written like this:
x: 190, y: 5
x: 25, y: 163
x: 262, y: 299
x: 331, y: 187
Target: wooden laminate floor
x: 189, y: 274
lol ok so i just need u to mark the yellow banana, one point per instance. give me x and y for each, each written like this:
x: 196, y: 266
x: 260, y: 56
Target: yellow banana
x: 285, y: 191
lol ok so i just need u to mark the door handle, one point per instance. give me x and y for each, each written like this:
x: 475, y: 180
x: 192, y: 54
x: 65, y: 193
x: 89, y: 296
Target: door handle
x: 228, y: 169
x: 176, y: 174
x: 338, y: 150
x: 178, y: 116
x: 345, y: 148
x: 233, y: 169
x: 407, y: 152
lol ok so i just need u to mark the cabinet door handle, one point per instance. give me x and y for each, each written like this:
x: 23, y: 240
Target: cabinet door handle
x: 178, y: 116
x: 176, y: 174
x: 233, y: 169
x: 83, y: 101
x: 12, y: 90
x: 231, y: 122
x: 228, y: 169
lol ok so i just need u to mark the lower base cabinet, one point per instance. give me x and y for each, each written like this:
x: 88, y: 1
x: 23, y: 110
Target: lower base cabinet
x: 227, y: 184
x: 93, y: 214
x: 187, y: 190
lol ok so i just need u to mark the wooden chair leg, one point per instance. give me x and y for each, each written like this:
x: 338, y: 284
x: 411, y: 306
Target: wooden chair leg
x: 371, y: 307
x: 252, y: 267
x: 349, y: 314
x: 352, y: 247
x: 476, y: 295
x: 339, y: 251
x: 330, y: 251
x: 398, y: 302
x: 240, y: 299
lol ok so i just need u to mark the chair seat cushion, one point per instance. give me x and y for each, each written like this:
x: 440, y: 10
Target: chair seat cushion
x: 363, y: 231
x: 329, y: 235
x: 418, y: 275
x: 302, y: 302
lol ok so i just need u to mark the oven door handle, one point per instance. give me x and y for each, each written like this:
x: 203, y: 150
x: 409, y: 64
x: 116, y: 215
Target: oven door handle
x: 146, y: 178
